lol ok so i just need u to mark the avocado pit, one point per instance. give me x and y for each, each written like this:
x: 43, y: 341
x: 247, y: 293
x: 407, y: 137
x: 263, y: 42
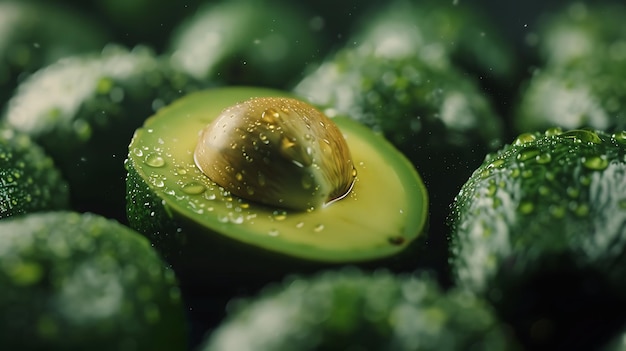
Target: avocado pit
x: 277, y: 151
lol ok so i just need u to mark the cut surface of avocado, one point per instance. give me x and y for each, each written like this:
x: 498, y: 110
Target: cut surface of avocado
x: 73, y: 281
x: 384, y: 212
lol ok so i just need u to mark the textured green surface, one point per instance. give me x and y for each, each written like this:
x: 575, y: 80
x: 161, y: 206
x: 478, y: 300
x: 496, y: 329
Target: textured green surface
x: 84, y: 109
x: 33, y: 35
x: 351, y: 310
x: 541, y: 223
x: 77, y: 282
x: 579, y: 81
x: 29, y: 180
x: 246, y: 42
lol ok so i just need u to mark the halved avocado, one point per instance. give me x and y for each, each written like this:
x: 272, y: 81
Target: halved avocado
x: 213, y: 238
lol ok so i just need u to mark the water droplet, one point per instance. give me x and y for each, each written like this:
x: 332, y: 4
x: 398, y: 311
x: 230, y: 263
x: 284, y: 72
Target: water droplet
x: 596, y: 163
x: 318, y: 228
x: 572, y: 192
x: 138, y: 152
x: 580, y: 135
x: 620, y: 137
x: 528, y: 154
x: 270, y: 116
x: 553, y: 131
x: 299, y: 225
x: 524, y: 138
x: 250, y: 190
x: 543, y: 158
x: 239, y: 176
x: 526, y: 207
x: 236, y: 218
x: 279, y: 215
x: 557, y: 211
x: 582, y: 210
x: 210, y: 196
x: 273, y: 232
x: 154, y: 160
x: 307, y: 181
x: 193, y: 188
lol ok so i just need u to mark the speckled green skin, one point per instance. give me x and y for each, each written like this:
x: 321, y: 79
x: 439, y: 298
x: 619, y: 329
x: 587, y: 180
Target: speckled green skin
x: 84, y: 109
x: 246, y: 42
x: 82, y: 282
x: 578, y: 81
x: 33, y: 35
x: 540, y: 229
x: 349, y: 309
x: 29, y: 180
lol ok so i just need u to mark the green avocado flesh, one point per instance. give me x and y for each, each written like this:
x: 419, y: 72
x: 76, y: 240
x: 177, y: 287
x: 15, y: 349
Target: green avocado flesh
x: 348, y: 309
x: 383, y: 214
x: 74, y: 281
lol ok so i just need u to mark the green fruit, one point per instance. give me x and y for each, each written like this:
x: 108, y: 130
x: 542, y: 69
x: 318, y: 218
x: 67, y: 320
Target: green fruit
x: 578, y: 83
x: 581, y: 31
x: 245, y: 43
x: 352, y: 310
x: 215, y: 238
x: 539, y: 230
x: 82, y: 282
x: 29, y: 180
x: 84, y: 109
x: 33, y: 35
x: 440, y: 34
x: 436, y: 116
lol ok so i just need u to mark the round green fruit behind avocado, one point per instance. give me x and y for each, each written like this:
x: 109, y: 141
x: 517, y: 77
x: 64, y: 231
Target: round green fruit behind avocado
x: 240, y: 186
x: 75, y: 281
x: 349, y: 309
x: 36, y: 34
x: 29, y: 179
x: 83, y: 111
x: 578, y: 82
x: 540, y: 230
x: 245, y: 42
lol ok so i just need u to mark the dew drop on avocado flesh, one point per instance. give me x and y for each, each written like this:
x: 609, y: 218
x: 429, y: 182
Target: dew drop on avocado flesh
x: 277, y: 151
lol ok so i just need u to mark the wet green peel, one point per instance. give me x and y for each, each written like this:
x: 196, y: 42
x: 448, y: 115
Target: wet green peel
x: 161, y: 153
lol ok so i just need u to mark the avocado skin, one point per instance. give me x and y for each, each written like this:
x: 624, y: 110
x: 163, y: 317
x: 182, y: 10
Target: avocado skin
x: 351, y: 309
x: 29, y: 179
x: 210, y: 264
x: 246, y: 43
x: 75, y: 281
x: 577, y: 82
x: 89, y: 142
x: 38, y: 34
x: 539, y: 230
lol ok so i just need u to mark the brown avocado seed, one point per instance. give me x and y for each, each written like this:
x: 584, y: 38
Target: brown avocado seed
x: 277, y: 151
